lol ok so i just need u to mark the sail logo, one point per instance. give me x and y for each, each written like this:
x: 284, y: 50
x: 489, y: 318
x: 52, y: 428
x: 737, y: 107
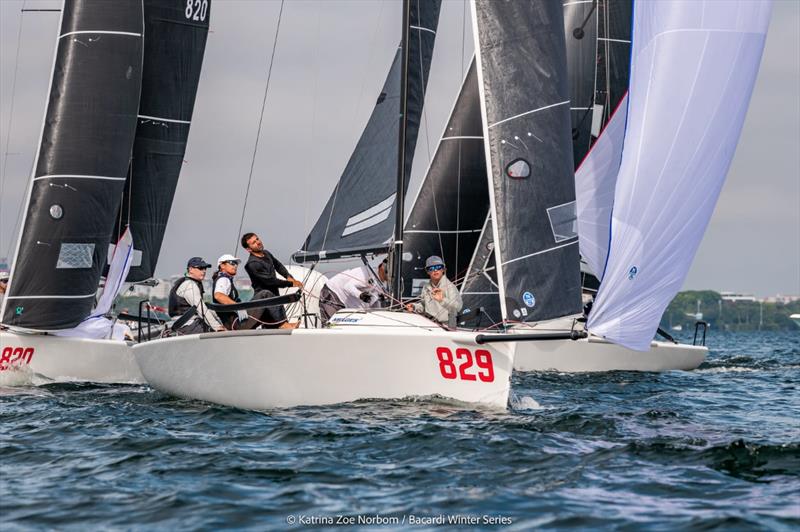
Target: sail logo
x: 15, y: 356
x: 632, y: 273
x: 528, y: 299
x: 369, y: 217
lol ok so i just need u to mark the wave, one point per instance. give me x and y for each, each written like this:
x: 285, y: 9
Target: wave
x: 739, y: 458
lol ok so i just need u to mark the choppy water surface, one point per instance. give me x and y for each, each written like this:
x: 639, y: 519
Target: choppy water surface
x: 717, y: 447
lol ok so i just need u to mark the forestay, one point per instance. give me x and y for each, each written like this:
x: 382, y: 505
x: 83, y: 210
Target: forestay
x: 80, y: 169
x: 175, y: 40
x: 359, y: 216
x: 694, y: 65
x: 453, y: 200
x: 521, y: 65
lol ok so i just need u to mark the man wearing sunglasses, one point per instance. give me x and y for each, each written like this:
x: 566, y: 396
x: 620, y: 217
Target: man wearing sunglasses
x: 186, y: 293
x: 440, y: 298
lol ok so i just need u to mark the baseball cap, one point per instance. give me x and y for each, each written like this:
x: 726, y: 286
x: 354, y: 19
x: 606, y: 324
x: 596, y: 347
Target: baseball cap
x: 4, y: 276
x: 228, y: 258
x: 197, y: 262
x: 433, y: 260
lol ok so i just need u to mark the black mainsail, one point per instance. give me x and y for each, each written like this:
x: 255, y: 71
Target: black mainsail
x: 522, y: 77
x: 81, y: 166
x: 360, y: 215
x: 453, y: 200
x: 175, y: 40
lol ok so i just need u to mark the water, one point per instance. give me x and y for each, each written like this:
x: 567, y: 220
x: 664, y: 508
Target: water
x: 715, y: 448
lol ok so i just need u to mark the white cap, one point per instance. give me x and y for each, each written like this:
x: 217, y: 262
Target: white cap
x: 227, y: 258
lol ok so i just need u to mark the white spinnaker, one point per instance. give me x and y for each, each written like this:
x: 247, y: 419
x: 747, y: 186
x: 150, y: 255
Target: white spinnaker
x: 595, y: 180
x: 693, y: 67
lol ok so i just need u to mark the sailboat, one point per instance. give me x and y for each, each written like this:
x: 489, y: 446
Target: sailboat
x: 598, y: 40
x: 364, y: 355
x: 115, y: 127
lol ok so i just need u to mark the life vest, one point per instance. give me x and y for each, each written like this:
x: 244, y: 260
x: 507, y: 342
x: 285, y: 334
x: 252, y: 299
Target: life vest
x: 226, y: 316
x: 234, y: 292
x: 177, y: 304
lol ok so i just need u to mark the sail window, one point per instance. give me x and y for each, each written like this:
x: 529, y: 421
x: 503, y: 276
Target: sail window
x: 518, y: 169
x: 73, y: 256
x: 563, y: 221
x: 56, y: 212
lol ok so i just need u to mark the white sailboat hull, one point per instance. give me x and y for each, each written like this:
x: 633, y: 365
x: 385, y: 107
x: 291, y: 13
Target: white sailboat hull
x: 595, y: 354
x: 360, y: 359
x: 63, y: 359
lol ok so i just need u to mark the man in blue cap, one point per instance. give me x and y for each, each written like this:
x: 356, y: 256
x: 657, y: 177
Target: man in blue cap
x: 187, y: 293
x: 440, y: 298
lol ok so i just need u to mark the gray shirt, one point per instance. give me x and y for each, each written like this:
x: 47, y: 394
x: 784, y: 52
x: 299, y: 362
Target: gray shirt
x: 443, y: 311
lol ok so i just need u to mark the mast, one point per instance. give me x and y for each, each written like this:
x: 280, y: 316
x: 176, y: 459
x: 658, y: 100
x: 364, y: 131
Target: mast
x: 397, y: 257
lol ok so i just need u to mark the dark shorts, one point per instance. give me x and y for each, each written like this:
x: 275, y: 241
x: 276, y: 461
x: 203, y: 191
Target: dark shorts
x: 268, y: 316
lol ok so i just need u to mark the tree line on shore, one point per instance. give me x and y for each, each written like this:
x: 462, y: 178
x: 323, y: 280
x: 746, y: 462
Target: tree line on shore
x: 726, y: 315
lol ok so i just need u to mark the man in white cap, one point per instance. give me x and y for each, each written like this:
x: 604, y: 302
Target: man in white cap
x: 358, y: 288
x: 440, y: 298
x: 225, y: 293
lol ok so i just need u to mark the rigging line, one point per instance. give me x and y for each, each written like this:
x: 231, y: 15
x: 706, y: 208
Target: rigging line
x: 355, y: 120
x: 313, y: 123
x: 130, y: 190
x: 458, y: 179
x: 260, y: 121
x: 427, y: 134
x: 11, y: 113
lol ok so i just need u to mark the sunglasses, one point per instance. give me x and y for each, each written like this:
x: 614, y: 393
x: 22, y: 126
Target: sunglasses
x: 435, y: 268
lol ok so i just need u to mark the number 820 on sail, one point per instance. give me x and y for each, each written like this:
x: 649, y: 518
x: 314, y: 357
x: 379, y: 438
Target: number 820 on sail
x: 461, y: 365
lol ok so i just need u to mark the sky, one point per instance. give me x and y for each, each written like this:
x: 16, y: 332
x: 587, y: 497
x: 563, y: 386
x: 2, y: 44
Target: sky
x: 330, y: 61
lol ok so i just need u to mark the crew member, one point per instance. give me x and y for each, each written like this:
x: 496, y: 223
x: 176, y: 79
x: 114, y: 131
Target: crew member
x: 225, y: 293
x: 187, y: 293
x: 262, y: 267
x: 440, y: 298
x: 358, y: 288
x: 3, y: 284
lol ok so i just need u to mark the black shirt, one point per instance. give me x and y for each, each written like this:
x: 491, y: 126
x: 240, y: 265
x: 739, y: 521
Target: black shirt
x: 262, y: 272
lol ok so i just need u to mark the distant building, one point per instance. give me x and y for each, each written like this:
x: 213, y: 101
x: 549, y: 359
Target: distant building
x: 781, y: 299
x: 736, y: 296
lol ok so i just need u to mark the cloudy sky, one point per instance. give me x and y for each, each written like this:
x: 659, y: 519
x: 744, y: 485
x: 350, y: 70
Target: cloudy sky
x: 330, y: 62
